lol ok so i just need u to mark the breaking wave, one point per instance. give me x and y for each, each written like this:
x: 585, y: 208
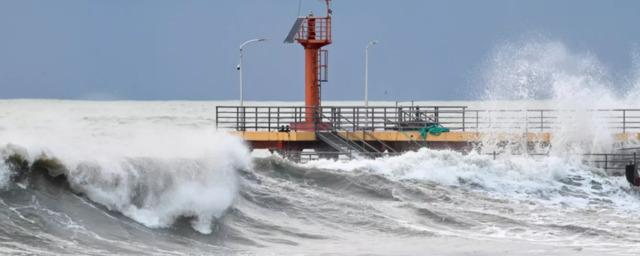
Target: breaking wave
x: 155, y: 184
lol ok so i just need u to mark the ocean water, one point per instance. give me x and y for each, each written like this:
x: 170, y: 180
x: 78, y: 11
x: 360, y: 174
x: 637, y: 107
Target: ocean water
x: 95, y: 178
x: 157, y: 178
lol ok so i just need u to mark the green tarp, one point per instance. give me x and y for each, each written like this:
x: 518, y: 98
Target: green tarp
x: 435, y: 130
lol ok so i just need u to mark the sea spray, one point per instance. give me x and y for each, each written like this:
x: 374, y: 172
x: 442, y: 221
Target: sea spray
x: 571, y: 84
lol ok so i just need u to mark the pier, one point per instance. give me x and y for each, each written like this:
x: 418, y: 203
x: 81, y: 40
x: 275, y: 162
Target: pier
x: 315, y: 131
x: 374, y: 131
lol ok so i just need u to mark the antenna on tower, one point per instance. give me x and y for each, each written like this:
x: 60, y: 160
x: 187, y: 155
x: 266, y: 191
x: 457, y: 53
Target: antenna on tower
x: 329, y: 11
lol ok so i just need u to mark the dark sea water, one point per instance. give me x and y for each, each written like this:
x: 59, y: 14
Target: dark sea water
x: 285, y: 208
x: 134, y: 178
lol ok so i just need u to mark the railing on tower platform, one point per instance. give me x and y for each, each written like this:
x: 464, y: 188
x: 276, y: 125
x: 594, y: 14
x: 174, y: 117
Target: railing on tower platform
x: 314, y: 28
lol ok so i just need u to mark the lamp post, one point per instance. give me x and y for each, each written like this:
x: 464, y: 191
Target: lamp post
x: 240, y: 67
x: 366, y: 71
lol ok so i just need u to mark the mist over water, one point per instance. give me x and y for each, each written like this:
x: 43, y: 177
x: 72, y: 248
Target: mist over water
x: 543, y: 69
x: 82, y: 177
x: 540, y: 73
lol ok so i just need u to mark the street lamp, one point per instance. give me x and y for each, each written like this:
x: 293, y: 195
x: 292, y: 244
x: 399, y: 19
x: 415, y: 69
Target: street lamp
x: 240, y: 67
x: 366, y: 71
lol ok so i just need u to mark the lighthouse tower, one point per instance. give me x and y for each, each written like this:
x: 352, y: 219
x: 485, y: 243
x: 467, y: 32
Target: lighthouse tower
x: 313, y: 33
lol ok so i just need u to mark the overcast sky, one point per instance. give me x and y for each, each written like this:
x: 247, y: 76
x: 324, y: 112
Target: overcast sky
x: 188, y: 49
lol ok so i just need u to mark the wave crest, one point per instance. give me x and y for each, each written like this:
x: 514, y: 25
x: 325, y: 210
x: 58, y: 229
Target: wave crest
x: 154, y: 190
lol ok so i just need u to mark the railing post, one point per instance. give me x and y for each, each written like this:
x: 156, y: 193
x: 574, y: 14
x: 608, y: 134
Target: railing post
x: 384, y: 122
x: 256, y: 121
x: 217, y: 113
x: 373, y: 114
x: 355, y: 118
x: 464, y: 110
x: 605, y: 162
x: 477, y: 121
x: 338, y: 115
x: 526, y: 121
x: 241, y: 118
x: 541, y: 120
x: 624, y: 121
x: 269, y: 119
x: 332, y: 118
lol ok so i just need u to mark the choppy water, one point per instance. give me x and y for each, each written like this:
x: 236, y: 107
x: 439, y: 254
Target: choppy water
x: 133, y: 178
x: 156, y: 178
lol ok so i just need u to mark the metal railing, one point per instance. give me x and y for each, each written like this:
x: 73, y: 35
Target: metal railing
x: 456, y: 118
x: 364, y: 133
x: 545, y: 120
x: 315, y: 28
x: 610, y: 162
x: 273, y: 118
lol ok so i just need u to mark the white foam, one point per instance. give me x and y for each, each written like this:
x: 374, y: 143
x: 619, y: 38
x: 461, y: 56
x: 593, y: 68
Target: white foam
x: 5, y: 176
x: 509, y: 177
x: 156, y: 191
x: 152, y: 168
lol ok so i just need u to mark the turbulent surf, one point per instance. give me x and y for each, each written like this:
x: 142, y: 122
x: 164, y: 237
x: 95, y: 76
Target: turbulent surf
x: 156, y: 178
x: 101, y: 185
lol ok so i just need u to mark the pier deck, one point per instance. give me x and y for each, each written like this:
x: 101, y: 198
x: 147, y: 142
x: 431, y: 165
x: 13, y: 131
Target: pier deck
x: 408, y: 136
x: 393, y: 136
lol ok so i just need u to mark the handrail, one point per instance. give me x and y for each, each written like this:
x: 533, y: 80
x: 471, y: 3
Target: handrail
x: 363, y: 139
x: 321, y: 29
x: 461, y: 118
x: 358, y: 148
x: 359, y: 139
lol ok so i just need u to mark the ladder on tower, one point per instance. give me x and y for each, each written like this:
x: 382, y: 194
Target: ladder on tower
x: 323, y: 66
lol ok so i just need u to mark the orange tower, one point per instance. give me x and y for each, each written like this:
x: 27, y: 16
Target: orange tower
x: 313, y: 33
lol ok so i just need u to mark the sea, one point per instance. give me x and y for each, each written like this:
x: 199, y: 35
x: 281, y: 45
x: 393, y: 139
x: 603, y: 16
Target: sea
x: 86, y: 177
x: 158, y: 178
